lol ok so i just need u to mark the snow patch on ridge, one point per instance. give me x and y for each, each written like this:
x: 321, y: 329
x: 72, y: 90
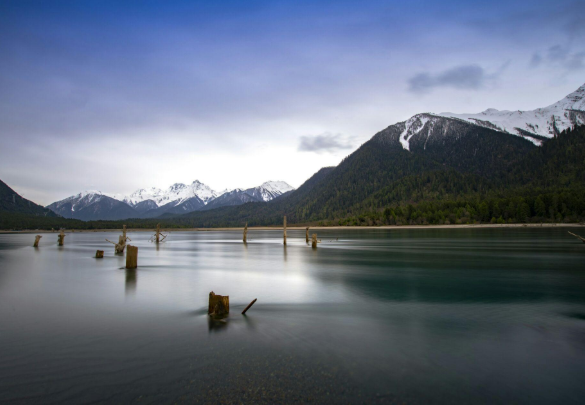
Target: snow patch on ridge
x: 412, y: 127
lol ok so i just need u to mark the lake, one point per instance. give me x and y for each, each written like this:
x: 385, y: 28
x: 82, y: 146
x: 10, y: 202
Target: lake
x: 419, y: 316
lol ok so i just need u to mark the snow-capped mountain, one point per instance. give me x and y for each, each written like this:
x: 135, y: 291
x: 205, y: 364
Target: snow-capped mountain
x: 427, y: 129
x: 92, y: 205
x: 178, y: 193
x: 153, y: 202
x: 265, y: 192
x: 544, y: 122
x: 272, y: 189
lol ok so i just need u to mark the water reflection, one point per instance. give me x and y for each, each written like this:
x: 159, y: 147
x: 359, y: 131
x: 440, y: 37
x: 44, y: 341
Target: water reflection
x: 217, y: 324
x: 131, y: 280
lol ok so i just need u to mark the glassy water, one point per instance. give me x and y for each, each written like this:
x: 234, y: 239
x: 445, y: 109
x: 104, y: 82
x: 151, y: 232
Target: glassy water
x: 371, y: 316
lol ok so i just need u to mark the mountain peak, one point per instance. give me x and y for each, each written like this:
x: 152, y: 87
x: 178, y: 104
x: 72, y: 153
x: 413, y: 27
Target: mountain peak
x: 532, y: 125
x: 573, y: 101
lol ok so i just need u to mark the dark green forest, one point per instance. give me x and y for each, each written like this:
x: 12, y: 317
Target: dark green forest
x: 507, y: 180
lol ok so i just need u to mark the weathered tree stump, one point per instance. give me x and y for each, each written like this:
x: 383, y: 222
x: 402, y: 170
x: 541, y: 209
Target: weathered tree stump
x: 61, y: 238
x: 132, y: 257
x: 37, y: 239
x: 314, y: 241
x: 284, y: 231
x: 307, y: 234
x: 99, y: 254
x: 218, y: 304
x: 246, y: 233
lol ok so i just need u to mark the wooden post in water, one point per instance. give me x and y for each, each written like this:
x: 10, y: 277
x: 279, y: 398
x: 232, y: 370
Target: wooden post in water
x: 218, y: 304
x: 37, y: 239
x: 314, y: 241
x: 99, y: 254
x: 284, y: 232
x: 246, y: 233
x: 157, y: 233
x: 132, y: 257
x: 307, y: 234
x: 61, y: 238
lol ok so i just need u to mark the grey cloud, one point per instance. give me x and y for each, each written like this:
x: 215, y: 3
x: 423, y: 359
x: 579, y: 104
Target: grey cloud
x: 536, y: 60
x: 576, y: 61
x: 560, y: 56
x: 460, y: 77
x: 324, y: 143
x: 557, y: 53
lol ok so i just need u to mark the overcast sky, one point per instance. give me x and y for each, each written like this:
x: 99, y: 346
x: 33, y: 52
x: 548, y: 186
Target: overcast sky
x: 115, y: 97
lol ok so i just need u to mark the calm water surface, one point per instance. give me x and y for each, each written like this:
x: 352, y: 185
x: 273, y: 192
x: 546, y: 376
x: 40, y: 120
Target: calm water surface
x: 377, y: 316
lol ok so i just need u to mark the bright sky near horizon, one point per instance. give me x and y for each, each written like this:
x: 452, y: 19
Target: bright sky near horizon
x: 117, y: 96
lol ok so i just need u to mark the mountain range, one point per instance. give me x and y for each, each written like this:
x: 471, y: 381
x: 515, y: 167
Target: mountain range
x: 494, y: 166
x: 154, y: 202
x: 529, y: 158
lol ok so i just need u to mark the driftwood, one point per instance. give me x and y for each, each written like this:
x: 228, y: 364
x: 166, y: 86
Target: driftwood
x: 249, y: 306
x: 307, y: 234
x: 218, y: 304
x: 578, y: 237
x: 314, y: 242
x: 61, y: 238
x: 132, y: 257
x: 99, y: 254
x: 157, y: 235
x: 37, y: 239
x: 246, y: 233
x: 284, y: 231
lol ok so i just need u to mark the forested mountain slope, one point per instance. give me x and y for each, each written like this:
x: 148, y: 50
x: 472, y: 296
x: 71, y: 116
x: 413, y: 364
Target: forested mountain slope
x: 11, y: 201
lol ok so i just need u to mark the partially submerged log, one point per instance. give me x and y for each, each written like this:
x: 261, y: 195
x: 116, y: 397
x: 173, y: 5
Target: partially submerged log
x: 132, y: 257
x: 284, y: 232
x: 314, y: 241
x: 307, y: 234
x: 578, y: 237
x: 99, y: 254
x: 61, y: 238
x: 249, y: 306
x: 218, y: 304
x: 37, y: 239
x: 246, y: 233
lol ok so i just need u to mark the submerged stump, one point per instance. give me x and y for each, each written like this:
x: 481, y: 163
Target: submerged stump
x: 307, y: 234
x: 218, y: 304
x: 37, y: 239
x: 61, y: 238
x: 314, y: 241
x: 99, y: 254
x: 246, y: 233
x: 132, y: 257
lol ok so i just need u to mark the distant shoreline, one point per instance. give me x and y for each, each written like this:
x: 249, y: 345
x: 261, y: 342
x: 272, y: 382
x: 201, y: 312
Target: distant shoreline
x: 296, y: 228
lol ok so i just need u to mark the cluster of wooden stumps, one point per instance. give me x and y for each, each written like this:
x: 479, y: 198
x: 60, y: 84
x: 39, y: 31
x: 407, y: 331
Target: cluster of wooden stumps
x: 314, y: 240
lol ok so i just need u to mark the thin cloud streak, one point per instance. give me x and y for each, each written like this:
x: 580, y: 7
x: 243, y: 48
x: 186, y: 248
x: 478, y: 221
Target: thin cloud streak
x: 327, y: 142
